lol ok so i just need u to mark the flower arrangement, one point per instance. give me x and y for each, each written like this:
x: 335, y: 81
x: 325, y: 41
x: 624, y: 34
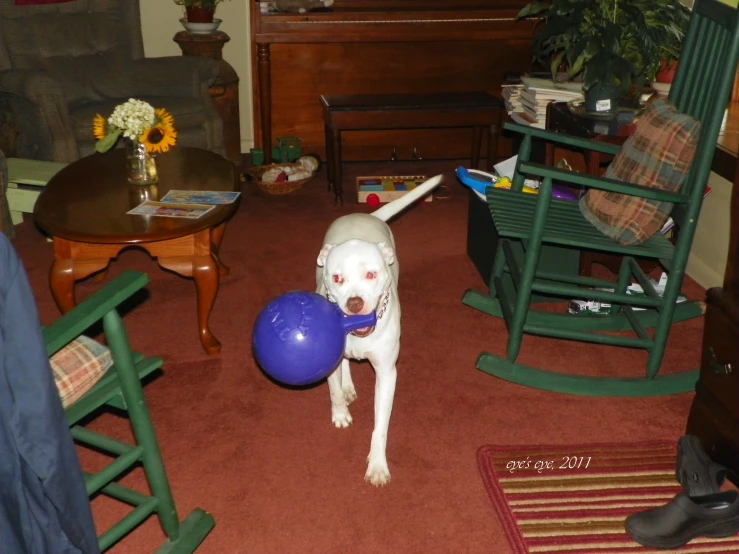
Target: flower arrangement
x: 138, y: 122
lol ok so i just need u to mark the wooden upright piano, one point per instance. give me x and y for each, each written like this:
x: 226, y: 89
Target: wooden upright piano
x: 376, y: 47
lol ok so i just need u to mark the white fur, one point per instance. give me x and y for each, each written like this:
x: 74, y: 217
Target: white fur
x: 354, y: 246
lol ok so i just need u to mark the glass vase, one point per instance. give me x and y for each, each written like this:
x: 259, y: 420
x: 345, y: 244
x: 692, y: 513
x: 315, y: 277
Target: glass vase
x: 141, y: 166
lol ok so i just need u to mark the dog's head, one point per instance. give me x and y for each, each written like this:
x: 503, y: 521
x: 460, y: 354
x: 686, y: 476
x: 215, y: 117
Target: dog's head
x: 356, y: 273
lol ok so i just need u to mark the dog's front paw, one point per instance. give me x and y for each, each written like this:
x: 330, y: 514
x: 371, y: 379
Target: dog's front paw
x: 341, y: 417
x: 350, y: 394
x: 378, y: 474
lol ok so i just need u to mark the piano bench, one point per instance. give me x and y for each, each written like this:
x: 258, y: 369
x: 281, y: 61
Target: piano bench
x: 353, y: 112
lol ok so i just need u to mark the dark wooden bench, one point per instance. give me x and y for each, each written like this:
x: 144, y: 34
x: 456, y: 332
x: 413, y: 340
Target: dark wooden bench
x: 353, y: 112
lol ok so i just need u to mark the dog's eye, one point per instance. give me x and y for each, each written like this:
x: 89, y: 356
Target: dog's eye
x: 371, y: 275
x: 338, y: 279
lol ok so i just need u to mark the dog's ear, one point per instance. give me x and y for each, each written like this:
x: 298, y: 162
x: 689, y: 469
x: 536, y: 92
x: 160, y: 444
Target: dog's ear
x: 387, y: 252
x: 323, y: 254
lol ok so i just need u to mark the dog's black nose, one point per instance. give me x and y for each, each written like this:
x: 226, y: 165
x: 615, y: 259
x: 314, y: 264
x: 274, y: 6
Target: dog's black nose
x: 355, y: 304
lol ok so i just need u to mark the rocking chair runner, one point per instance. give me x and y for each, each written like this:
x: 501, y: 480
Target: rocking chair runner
x: 120, y: 387
x: 701, y: 89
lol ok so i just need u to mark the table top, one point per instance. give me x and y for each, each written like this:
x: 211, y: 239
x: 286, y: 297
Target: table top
x: 87, y: 201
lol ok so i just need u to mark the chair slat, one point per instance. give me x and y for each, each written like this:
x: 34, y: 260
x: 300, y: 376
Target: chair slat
x: 513, y: 217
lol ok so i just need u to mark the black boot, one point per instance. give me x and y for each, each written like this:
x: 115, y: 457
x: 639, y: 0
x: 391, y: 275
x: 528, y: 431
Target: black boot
x: 684, y: 519
x: 695, y: 471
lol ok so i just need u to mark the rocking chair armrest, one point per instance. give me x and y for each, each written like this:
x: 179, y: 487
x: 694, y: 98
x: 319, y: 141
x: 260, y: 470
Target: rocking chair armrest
x: 72, y: 324
x: 568, y: 140
x: 611, y: 185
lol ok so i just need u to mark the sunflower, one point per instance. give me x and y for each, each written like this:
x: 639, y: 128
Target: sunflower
x: 161, y: 136
x: 98, y: 126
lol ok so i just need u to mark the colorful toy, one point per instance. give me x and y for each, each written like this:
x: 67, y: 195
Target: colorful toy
x: 378, y: 189
x: 479, y: 181
x: 299, y: 337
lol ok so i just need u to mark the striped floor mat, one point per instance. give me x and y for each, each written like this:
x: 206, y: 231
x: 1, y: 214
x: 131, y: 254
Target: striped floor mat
x: 574, y: 500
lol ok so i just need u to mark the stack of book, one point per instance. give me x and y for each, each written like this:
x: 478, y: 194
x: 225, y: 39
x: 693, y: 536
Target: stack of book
x: 512, y: 97
x: 537, y: 93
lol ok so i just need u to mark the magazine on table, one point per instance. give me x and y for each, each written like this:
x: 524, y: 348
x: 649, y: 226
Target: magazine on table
x: 170, y: 209
x: 200, y: 197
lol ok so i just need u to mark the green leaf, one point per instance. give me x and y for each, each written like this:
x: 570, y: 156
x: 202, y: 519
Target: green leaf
x: 108, y: 141
x: 533, y: 9
x: 556, y: 62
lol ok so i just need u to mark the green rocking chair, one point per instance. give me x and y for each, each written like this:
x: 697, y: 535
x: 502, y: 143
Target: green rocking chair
x: 527, y: 223
x: 119, y: 387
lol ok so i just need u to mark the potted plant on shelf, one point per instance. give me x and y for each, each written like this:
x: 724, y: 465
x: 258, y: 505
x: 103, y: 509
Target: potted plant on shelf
x: 199, y: 11
x: 669, y: 24
x: 613, y: 45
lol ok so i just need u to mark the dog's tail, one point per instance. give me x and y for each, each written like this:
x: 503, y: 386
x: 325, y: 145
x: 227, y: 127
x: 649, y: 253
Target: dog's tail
x: 396, y: 206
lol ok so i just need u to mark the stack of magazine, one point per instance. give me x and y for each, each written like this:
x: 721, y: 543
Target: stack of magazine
x: 188, y: 204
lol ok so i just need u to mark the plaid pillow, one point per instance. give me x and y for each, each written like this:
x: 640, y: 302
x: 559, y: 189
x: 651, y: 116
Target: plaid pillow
x: 78, y: 366
x: 658, y: 154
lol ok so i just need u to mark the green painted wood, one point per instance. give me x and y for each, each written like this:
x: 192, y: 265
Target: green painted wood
x: 138, y: 413
x: 530, y: 263
x: 107, y: 391
x: 91, y: 310
x: 677, y: 383
x: 23, y: 171
x: 513, y: 215
x: 702, y: 87
x: 121, y: 387
x: 648, y: 318
x: 115, y: 469
x: 193, y: 531
x: 564, y: 332
x: 611, y: 185
x: 130, y: 521
x: 524, y: 153
x: 566, y: 140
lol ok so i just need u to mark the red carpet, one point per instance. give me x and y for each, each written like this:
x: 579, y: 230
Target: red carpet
x: 575, y: 499
x: 266, y: 461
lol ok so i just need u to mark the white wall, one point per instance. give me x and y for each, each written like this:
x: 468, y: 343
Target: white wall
x: 160, y: 22
x: 710, y: 250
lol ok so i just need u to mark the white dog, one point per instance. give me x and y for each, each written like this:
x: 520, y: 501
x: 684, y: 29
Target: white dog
x: 358, y: 270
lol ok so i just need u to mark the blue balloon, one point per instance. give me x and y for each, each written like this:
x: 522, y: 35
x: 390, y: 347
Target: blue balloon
x: 299, y: 337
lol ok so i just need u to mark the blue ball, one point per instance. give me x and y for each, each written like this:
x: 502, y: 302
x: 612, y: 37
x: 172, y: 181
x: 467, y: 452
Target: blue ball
x: 298, y: 338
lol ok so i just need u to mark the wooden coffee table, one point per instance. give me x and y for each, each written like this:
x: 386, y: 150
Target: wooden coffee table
x: 83, y: 207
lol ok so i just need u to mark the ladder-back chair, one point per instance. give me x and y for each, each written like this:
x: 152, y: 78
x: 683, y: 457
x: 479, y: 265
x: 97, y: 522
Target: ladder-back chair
x: 701, y: 89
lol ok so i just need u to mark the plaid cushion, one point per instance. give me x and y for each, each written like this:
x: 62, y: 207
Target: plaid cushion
x: 658, y: 154
x: 78, y: 366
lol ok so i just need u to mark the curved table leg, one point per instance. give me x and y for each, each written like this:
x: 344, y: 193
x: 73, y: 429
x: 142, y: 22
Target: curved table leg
x: 61, y: 283
x: 216, y: 238
x: 65, y: 272
x: 205, y: 271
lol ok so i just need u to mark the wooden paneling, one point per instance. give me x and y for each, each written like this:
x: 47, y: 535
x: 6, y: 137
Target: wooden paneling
x: 307, y: 71
x: 368, y: 48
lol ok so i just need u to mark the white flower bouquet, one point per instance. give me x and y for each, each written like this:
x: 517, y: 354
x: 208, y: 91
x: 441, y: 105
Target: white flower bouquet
x: 139, y: 122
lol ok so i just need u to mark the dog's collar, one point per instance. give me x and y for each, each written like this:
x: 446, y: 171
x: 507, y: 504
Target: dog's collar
x: 383, y: 304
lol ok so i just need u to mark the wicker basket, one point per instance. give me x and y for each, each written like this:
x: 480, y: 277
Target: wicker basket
x: 253, y: 174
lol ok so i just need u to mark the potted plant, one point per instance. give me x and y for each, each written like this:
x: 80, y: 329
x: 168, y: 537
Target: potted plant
x: 668, y: 23
x: 199, y: 11
x: 613, y: 45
